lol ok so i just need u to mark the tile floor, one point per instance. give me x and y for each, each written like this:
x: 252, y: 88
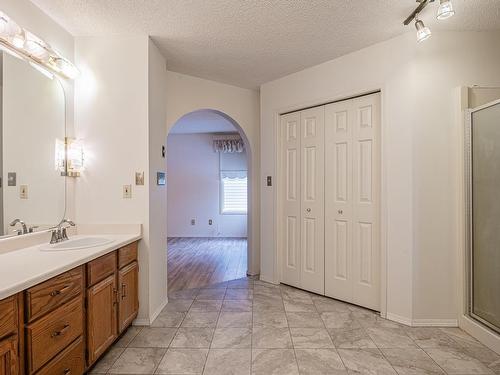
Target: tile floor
x: 250, y: 327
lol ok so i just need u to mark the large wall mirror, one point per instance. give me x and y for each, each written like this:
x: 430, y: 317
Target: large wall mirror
x: 33, y: 191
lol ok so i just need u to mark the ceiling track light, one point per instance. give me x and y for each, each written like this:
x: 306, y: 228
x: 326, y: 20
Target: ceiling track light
x: 25, y: 45
x: 445, y: 11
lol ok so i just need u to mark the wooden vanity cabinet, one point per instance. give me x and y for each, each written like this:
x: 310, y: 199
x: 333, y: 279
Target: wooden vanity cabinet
x: 10, y: 361
x: 112, y: 298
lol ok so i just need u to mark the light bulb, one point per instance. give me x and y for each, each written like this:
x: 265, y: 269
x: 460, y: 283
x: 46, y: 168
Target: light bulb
x: 66, y: 68
x: 19, y: 39
x: 36, y: 47
x: 423, y: 32
x: 445, y: 10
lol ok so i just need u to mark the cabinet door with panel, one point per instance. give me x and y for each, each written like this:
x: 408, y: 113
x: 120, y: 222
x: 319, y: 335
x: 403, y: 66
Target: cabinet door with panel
x: 8, y: 356
x: 128, y: 302
x: 101, y: 317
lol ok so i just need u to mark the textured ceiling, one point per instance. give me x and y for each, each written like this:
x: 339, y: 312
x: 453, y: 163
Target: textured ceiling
x: 249, y: 42
x: 203, y: 121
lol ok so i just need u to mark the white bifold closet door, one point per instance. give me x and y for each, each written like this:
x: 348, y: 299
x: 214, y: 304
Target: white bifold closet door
x: 352, y: 203
x: 302, y: 168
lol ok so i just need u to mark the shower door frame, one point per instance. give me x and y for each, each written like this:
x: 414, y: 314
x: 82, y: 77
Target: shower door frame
x: 468, y: 214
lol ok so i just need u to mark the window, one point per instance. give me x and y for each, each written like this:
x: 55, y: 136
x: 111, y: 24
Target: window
x: 233, y: 192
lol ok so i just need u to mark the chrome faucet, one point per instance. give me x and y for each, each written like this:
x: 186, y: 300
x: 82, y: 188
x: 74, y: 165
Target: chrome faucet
x: 59, y: 233
x: 23, y: 224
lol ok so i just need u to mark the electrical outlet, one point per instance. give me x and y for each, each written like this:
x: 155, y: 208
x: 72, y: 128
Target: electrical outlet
x: 210, y: 221
x: 127, y: 191
x: 23, y: 191
x: 193, y: 221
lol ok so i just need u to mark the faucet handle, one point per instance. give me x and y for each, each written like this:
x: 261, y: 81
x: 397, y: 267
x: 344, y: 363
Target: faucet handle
x: 18, y: 232
x: 69, y: 222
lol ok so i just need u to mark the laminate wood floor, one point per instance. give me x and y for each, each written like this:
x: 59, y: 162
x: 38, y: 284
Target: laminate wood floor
x: 200, y: 262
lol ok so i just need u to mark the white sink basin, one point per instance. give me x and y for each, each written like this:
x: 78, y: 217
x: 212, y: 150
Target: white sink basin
x: 76, y: 244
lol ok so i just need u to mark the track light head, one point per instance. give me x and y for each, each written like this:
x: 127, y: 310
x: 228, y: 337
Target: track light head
x: 445, y: 10
x: 423, y: 32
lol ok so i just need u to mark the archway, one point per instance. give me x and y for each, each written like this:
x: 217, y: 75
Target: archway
x: 212, y: 123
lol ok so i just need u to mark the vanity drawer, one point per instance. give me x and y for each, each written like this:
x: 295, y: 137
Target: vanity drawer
x: 52, y: 293
x: 8, y: 316
x: 49, y: 335
x: 68, y: 362
x: 101, y: 268
x: 127, y: 254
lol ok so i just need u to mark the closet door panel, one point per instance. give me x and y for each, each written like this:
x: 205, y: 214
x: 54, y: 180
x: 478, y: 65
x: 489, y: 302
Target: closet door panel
x: 312, y: 199
x: 339, y: 123
x: 366, y: 196
x: 290, y: 191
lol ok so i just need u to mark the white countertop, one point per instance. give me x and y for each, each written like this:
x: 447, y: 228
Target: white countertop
x: 24, y: 268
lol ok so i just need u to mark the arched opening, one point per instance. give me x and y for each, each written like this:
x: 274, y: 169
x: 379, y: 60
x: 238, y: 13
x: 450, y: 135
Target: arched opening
x: 208, y: 201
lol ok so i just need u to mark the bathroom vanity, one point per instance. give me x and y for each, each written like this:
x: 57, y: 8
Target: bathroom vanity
x: 61, y: 318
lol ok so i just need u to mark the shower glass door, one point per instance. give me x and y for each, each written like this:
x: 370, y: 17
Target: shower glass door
x: 484, y: 214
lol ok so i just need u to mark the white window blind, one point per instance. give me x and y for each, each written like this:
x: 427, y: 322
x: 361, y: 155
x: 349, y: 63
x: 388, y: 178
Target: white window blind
x: 234, y: 192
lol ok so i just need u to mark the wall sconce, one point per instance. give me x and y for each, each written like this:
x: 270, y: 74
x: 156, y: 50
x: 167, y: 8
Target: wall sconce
x: 69, y: 157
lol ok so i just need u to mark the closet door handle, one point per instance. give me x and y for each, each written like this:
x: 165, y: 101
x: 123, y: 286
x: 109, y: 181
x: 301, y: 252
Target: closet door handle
x: 308, y: 209
x: 340, y: 212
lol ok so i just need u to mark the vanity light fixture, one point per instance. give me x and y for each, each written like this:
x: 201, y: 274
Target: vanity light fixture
x: 445, y: 11
x: 42, y: 70
x: 69, y: 157
x: 27, y: 46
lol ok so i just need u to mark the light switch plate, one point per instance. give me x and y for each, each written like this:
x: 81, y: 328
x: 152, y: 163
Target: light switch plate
x: 127, y: 191
x: 23, y: 191
x: 139, y: 178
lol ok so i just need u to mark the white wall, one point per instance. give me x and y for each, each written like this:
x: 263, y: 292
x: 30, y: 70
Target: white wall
x: 193, y: 188
x: 419, y: 158
x: 112, y: 119
x: 157, y: 76
x: 186, y: 94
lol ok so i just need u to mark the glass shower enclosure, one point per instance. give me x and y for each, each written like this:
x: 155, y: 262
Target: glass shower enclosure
x: 482, y: 142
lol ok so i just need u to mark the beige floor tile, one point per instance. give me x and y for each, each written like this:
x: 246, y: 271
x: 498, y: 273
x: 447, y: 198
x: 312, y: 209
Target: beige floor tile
x: 153, y: 338
x: 390, y: 337
x: 456, y: 361
x: 365, y: 362
x: 319, y: 362
x: 104, y: 364
x: 192, y: 337
x: 212, y: 305
x: 235, y: 294
x: 270, y: 319
x: 183, y: 361
x: 127, y: 337
x: 271, y: 338
x: 183, y: 294
x: 235, y: 319
x: 200, y: 319
x: 228, y: 362
x: 427, y: 337
x: 169, y: 319
x: 304, y: 320
x: 311, y: 338
x: 274, y: 362
x: 180, y: 305
x: 410, y: 361
x: 242, y: 305
x: 138, y: 361
x: 334, y: 319
x: 298, y: 306
x: 232, y: 338
x: 351, y: 338
x: 216, y: 293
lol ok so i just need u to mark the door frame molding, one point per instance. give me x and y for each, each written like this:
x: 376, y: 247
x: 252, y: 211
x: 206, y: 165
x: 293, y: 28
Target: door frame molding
x: 277, y: 206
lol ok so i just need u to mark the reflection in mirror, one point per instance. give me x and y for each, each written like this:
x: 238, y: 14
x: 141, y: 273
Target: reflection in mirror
x: 32, y: 193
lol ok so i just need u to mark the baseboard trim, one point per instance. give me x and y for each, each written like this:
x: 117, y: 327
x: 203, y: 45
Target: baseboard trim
x: 435, y: 323
x: 481, y: 333
x: 399, y: 319
x: 148, y: 322
x: 267, y: 279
